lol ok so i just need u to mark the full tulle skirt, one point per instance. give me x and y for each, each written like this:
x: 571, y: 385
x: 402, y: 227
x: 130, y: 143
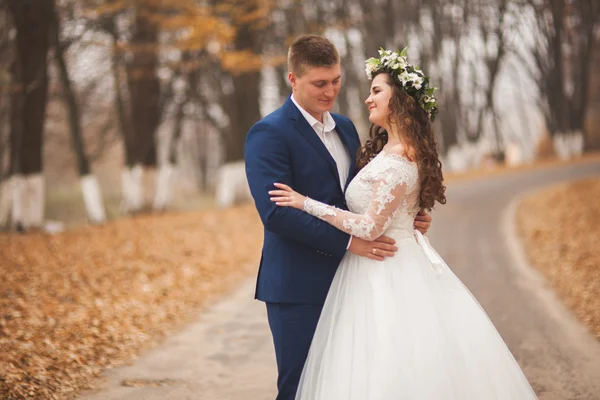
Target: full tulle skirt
x: 407, y: 328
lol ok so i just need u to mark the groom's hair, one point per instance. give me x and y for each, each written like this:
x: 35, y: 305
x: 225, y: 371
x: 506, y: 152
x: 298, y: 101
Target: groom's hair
x: 311, y: 51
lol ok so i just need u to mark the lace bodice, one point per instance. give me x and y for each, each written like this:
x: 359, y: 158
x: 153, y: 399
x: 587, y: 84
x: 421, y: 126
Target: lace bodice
x: 384, y: 195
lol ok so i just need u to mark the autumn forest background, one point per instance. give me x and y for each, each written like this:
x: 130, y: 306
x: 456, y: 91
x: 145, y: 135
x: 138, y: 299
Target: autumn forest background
x: 115, y: 111
x: 113, y: 107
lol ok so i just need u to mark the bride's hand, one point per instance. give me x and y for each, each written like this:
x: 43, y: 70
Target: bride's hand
x: 287, y: 197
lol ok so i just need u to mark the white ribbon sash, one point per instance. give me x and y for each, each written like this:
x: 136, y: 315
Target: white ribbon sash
x: 434, y: 258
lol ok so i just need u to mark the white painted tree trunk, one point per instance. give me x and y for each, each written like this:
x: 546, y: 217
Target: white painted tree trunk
x: 514, y: 154
x: 5, y: 202
x: 561, y: 146
x: 162, y: 194
x: 459, y: 158
x: 577, y: 143
x: 18, y: 201
x: 568, y: 145
x: 92, y: 197
x: 6, y: 196
x: 131, y: 189
x: 232, y: 185
x: 149, y: 183
x: 34, y: 215
x: 28, y: 201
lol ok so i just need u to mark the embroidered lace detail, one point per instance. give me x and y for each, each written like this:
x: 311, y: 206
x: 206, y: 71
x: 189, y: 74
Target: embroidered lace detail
x: 359, y: 228
x: 317, y: 208
x: 384, y: 194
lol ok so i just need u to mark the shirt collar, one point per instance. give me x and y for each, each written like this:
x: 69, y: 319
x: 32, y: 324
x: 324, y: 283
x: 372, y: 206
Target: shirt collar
x: 328, y: 121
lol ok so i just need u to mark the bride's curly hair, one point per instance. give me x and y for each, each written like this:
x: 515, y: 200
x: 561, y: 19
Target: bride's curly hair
x: 414, y: 121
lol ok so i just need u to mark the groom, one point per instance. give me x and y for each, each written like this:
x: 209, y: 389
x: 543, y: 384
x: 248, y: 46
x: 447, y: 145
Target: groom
x: 303, y: 145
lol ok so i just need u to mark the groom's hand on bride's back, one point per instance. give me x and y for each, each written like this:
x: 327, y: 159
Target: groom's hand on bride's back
x: 379, y: 249
x: 422, y: 222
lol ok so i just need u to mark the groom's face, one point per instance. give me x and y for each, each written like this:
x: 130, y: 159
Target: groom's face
x: 317, y: 88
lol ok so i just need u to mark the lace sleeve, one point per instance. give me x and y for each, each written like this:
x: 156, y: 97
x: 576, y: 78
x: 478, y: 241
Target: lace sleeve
x: 393, y: 177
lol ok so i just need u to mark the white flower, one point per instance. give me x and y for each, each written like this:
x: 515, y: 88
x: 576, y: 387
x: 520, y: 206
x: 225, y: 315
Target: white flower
x: 416, y: 79
x: 404, y: 77
x: 402, y: 61
x: 371, y: 66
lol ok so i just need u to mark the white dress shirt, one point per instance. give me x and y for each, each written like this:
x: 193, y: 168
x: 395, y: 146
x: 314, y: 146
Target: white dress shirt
x: 330, y: 138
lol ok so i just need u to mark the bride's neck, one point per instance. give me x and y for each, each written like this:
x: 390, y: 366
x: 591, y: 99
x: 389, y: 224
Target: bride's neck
x: 398, y: 136
x: 395, y: 134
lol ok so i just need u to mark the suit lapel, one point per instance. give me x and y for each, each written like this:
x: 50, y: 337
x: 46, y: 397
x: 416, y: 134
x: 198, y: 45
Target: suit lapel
x: 310, y: 135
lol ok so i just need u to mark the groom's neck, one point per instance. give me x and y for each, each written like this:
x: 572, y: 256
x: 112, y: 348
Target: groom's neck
x: 315, y: 115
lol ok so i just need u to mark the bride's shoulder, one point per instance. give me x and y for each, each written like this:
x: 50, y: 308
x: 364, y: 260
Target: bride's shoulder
x: 399, y: 152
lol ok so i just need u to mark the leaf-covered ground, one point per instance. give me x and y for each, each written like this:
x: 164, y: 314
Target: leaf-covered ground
x: 560, y: 227
x: 74, y: 303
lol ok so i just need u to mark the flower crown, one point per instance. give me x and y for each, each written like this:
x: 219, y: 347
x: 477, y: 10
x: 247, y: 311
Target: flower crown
x: 410, y: 77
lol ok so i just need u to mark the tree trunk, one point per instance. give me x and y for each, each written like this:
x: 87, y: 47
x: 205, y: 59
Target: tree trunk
x: 124, y: 120
x: 165, y: 171
x: 144, y: 87
x: 5, y: 86
x: 563, y: 63
x: 245, y: 112
x: 144, y: 104
x: 243, y: 102
x: 162, y: 194
x: 132, y: 189
x: 6, y: 194
x: 589, y: 15
x: 32, y: 21
x: 74, y: 116
x: 89, y: 184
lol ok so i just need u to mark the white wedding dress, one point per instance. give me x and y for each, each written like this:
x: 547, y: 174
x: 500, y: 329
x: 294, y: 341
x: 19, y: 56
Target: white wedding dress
x: 404, y: 328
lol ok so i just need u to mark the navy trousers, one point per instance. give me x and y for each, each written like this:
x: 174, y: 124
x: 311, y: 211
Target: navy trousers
x: 292, y: 327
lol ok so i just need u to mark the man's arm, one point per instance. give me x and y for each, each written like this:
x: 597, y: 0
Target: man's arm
x: 422, y: 222
x: 267, y: 162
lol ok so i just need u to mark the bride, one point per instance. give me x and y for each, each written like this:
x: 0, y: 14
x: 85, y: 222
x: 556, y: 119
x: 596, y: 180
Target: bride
x: 405, y: 327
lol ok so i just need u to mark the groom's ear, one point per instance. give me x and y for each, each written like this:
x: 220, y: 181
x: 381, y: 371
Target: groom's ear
x: 292, y: 79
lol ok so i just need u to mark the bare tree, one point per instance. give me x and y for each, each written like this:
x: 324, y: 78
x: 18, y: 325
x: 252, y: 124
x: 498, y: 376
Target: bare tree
x: 5, y: 83
x: 6, y: 56
x: 562, y: 54
x: 32, y: 21
x: 143, y: 83
x: 441, y: 36
x: 89, y: 184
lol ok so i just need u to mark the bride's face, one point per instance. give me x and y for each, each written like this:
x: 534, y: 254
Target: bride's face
x: 379, y: 100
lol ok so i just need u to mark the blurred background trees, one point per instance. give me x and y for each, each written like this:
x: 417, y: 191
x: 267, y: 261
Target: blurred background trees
x: 121, y: 106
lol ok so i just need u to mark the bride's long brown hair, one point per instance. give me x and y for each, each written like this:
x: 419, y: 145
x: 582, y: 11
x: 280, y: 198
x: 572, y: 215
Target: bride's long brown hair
x: 414, y: 122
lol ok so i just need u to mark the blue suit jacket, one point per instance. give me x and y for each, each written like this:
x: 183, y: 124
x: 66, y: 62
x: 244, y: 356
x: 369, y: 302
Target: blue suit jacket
x: 300, y: 252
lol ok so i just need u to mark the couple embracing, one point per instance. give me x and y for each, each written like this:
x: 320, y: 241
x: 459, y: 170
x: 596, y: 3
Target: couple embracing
x: 359, y: 304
